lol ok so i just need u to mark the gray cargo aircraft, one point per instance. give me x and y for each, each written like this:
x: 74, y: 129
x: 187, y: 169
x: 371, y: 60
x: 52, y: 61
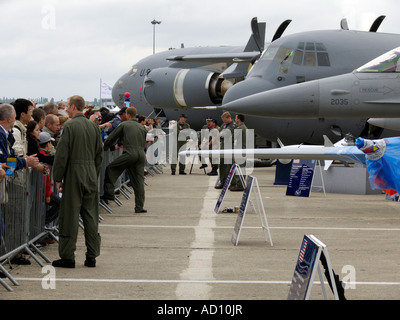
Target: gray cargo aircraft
x: 159, y: 84
x: 176, y: 81
x: 373, y: 90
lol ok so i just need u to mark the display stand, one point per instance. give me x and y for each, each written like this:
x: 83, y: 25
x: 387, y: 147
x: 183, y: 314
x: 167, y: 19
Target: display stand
x: 308, y: 263
x: 259, y: 208
x: 226, y: 186
x: 302, y: 177
x: 322, y: 178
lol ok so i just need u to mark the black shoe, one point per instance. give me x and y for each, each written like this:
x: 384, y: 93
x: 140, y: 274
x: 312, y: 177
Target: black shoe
x: 219, y: 186
x: 141, y: 211
x: 204, y: 166
x: 236, y: 188
x: 173, y: 172
x: 182, y: 172
x: 64, y: 263
x: 90, y: 262
x: 212, y: 173
x: 105, y: 199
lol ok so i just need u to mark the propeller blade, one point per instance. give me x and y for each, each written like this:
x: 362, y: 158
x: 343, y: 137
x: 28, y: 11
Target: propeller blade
x: 343, y: 24
x: 375, y: 26
x: 281, y: 29
x: 256, y: 34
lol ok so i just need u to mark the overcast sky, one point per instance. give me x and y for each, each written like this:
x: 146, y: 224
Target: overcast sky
x: 57, y: 48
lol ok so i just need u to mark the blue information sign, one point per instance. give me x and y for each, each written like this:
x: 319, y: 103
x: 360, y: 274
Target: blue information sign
x: 306, y: 266
x: 226, y: 185
x: 301, y: 176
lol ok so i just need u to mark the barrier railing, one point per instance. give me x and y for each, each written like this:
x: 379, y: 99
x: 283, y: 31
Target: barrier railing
x: 23, y: 212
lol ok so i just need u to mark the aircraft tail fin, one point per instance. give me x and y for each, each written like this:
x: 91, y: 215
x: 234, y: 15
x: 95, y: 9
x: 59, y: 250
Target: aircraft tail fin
x: 257, y: 37
x: 327, y: 142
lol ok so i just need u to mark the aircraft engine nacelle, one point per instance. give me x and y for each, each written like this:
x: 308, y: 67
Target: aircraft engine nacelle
x: 172, y: 88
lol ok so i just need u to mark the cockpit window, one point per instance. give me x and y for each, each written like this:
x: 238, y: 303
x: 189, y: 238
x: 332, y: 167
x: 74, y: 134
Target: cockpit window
x: 311, y: 54
x: 320, y: 47
x: 388, y: 62
x: 306, y: 54
x: 284, y: 55
x: 133, y: 71
x: 270, y: 53
x: 310, y: 46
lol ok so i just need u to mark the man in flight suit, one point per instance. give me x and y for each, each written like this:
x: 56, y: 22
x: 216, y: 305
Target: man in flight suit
x: 181, y: 125
x: 133, y: 136
x: 226, y: 130
x: 239, y: 143
x: 76, y: 169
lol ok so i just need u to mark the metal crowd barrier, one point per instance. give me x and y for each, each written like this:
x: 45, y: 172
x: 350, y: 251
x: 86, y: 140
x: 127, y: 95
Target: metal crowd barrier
x: 23, y: 212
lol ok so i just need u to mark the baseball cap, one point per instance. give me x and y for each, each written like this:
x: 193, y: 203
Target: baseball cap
x: 45, y: 137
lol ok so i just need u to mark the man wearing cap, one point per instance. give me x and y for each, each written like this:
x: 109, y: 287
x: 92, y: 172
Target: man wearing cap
x: 119, y: 117
x: 181, y: 125
x: 76, y: 169
x: 133, y: 136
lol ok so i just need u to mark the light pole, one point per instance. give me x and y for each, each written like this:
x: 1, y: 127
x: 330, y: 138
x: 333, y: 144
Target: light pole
x: 154, y: 22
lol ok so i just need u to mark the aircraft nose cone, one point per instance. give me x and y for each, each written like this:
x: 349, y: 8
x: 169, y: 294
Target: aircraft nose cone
x: 296, y: 101
x: 118, y: 92
x: 245, y: 88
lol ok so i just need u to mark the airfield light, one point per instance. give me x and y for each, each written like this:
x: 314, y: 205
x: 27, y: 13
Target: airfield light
x: 154, y: 22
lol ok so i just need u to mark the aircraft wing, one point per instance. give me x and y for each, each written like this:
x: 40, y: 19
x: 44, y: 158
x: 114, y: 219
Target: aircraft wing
x: 217, y: 57
x: 345, y: 153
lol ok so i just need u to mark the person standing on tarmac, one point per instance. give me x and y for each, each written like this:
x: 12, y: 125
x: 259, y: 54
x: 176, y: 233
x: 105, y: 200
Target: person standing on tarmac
x: 214, y: 166
x: 133, y: 136
x: 236, y: 184
x: 75, y: 170
x: 225, y: 165
x: 181, y: 125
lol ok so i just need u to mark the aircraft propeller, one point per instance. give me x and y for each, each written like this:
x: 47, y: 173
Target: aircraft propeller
x: 256, y: 34
x: 376, y: 24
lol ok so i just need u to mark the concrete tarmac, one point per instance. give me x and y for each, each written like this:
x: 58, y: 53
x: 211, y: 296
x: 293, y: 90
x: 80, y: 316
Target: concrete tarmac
x: 182, y: 250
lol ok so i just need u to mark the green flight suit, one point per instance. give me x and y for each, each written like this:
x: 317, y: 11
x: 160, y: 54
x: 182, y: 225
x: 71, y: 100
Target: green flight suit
x: 180, y: 144
x: 133, y: 137
x: 240, y: 145
x: 77, y: 163
x: 225, y: 164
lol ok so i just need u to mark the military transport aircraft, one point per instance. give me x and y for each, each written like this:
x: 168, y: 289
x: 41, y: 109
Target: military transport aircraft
x: 159, y: 83
x: 373, y: 90
x: 178, y: 80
